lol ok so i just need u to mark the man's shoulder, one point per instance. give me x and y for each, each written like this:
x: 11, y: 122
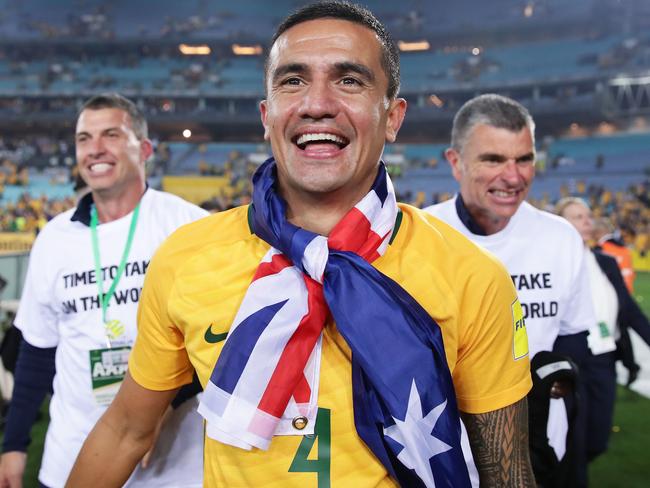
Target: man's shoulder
x: 60, y: 223
x: 442, y: 209
x: 437, y: 223
x: 215, y: 230
x: 551, y: 224
x: 605, y: 260
x: 211, y: 242
x: 442, y: 240
x: 168, y: 202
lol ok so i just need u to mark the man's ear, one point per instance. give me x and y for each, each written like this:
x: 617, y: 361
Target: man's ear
x: 396, y: 113
x: 146, y: 150
x: 263, y: 113
x: 453, y: 157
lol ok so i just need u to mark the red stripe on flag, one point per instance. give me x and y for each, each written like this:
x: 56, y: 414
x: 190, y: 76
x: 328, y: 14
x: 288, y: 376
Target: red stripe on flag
x: 303, y: 391
x: 278, y: 263
x: 289, y: 371
x: 350, y: 233
x: 368, y: 250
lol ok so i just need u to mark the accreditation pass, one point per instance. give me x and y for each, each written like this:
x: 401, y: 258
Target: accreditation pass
x: 108, y: 368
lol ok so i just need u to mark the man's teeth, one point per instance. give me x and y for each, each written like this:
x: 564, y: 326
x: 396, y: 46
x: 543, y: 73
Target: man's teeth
x: 320, y: 136
x: 503, y: 193
x: 100, y: 167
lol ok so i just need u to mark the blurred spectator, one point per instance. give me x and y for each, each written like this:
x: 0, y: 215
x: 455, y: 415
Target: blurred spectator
x: 609, y: 241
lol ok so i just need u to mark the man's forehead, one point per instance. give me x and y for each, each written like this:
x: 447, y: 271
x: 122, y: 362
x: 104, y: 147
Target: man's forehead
x: 105, y: 116
x: 322, y: 33
x: 499, y: 137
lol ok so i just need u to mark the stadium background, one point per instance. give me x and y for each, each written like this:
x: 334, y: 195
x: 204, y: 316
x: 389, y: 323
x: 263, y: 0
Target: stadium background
x: 195, y: 68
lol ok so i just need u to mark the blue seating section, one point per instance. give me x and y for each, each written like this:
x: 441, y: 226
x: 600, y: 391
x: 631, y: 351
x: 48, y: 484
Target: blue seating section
x: 53, y: 192
x: 431, y: 71
x: 195, y: 18
x: 628, y: 153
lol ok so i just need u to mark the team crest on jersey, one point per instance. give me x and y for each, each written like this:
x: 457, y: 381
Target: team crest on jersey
x: 520, y: 337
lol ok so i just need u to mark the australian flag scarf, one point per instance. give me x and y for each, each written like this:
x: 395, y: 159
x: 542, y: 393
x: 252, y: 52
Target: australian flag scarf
x: 267, y: 373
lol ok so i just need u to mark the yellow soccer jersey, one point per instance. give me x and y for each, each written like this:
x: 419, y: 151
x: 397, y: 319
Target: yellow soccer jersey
x: 198, y: 278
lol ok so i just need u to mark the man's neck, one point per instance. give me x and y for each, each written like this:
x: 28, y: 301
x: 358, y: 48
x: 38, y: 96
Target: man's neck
x: 489, y: 224
x: 318, y: 217
x: 113, y: 206
x: 319, y: 213
x: 481, y: 220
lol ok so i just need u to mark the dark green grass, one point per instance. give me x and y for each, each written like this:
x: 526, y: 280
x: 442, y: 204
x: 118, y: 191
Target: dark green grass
x: 625, y: 464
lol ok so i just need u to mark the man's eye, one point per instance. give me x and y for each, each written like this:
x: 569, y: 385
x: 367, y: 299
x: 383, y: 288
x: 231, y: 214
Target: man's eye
x: 348, y: 80
x: 293, y: 81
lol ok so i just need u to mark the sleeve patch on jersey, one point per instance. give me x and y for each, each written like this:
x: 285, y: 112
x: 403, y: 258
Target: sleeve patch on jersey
x: 520, y: 338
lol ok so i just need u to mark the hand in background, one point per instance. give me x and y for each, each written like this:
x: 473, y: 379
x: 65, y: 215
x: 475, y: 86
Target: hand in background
x: 12, y: 469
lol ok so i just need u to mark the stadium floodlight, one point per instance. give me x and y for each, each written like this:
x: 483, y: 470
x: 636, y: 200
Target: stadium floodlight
x: 529, y: 10
x: 413, y: 45
x: 630, y: 80
x: 189, y: 50
x: 436, y: 100
x: 240, y: 50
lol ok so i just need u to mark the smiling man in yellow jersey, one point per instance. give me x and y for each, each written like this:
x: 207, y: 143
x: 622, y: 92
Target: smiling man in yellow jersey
x: 332, y: 79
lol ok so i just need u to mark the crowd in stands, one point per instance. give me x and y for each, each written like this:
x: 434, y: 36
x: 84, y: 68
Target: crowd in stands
x: 30, y: 214
x: 629, y: 211
x: 36, y: 151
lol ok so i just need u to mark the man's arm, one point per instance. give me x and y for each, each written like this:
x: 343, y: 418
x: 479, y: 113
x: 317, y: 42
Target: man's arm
x: 121, y: 437
x: 499, y: 441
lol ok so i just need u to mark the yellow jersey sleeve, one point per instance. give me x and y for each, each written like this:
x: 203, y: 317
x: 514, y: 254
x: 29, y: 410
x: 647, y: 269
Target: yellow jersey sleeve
x: 159, y: 360
x: 493, y: 368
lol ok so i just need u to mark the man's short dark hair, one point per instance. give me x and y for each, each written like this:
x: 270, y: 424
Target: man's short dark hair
x: 115, y: 100
x: 489, y: 109
x: 342, y: 10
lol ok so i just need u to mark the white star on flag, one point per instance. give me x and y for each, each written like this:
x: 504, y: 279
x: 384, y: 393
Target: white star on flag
x: 415, y: 434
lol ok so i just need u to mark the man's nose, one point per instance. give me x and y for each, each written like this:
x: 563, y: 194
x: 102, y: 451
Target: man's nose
x: 96, y: 147
x: 510, y: 171
x: 319, y: 101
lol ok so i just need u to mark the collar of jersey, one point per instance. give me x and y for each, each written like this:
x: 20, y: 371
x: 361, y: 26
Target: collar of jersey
x: 398, y: 222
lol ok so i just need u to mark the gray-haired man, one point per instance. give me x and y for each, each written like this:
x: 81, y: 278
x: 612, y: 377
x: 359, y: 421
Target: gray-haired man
x: 492, y: 156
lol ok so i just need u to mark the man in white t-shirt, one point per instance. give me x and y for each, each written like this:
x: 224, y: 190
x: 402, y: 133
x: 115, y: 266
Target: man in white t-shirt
x: 492, y: 156
x: 78, y: 308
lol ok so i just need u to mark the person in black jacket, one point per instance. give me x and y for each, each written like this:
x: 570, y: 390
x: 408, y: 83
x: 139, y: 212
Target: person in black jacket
x: 616, y: 311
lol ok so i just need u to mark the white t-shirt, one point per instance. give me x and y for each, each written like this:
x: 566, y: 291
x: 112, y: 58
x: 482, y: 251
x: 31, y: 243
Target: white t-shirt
x: 546, y: 259
x: 59, y: 308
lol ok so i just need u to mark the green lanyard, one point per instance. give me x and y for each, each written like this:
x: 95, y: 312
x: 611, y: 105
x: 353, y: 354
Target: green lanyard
x: 105, y: 298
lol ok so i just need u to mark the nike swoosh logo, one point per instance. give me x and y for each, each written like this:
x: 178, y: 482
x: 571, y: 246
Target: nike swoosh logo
x: 214, y: 338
